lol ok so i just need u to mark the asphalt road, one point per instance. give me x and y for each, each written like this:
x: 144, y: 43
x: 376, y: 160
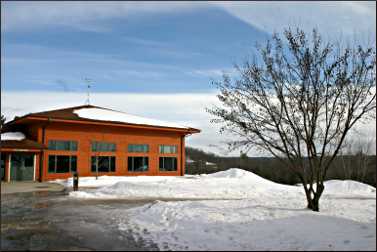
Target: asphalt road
x: 52, y: 221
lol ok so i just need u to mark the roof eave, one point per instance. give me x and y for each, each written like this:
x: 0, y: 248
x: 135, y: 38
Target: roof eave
x: 91, y: 121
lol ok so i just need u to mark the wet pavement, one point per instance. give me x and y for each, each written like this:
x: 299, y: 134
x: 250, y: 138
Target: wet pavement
x: 54, y: 221
x: 29, y: 186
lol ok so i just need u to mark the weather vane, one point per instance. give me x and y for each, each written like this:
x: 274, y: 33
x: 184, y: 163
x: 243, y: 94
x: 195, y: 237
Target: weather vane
x: 88, y: 81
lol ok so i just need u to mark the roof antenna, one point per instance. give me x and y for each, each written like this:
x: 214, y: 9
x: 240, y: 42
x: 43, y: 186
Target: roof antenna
x: 88, y: 81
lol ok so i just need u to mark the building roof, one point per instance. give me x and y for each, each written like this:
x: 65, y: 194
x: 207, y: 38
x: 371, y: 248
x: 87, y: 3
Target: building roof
x: 25, y: 144
x: 90, y: 113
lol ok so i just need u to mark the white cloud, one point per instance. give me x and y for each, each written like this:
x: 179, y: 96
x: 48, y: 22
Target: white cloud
x: 188, y: 109
x: 214, y: 72
x: 334, y: 19
x: 81, y: 15
x: 183, y: 108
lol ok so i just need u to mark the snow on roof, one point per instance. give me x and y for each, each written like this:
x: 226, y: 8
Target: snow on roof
x: 15, y: 136
x: 117, y: 116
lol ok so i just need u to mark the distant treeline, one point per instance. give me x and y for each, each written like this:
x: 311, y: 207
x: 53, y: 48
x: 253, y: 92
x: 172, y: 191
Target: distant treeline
x: 359, y: 167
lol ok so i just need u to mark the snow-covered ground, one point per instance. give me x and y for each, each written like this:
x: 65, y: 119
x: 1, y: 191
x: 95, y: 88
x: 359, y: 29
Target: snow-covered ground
x: 238, y: 210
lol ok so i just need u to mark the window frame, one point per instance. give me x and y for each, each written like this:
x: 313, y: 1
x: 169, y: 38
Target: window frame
x: 52, y: 145
x: 138, y: 145
x: 161, y: 148
x: 175, y: 164
x: 111, y: 163
x: 94, y: 146
x: 133, y: 162
x: 70, y: 157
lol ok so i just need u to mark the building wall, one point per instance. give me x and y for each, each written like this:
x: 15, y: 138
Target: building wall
x: 121, y: 136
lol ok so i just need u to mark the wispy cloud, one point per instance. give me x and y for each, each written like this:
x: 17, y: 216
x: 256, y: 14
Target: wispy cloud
x: 213, y: 72
x: 346, y: 18
x: 182, y: 108
x: 23, y: 16
x: 71, y: 66
x: 334, y: 19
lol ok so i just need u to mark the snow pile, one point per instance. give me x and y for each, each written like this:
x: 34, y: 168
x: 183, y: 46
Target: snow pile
x: 211, y: 216
x: 230, y: 184
x: 116, y: 116
x: 270, y: 217
x: 233, y: 173
x: 347, y: 187
x: 196, y: 226
x: 15, y: 136
x: 103, y: 181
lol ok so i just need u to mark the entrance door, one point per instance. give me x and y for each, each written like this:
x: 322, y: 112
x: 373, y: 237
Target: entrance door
x: 22, y: 167
x: 2, y: 166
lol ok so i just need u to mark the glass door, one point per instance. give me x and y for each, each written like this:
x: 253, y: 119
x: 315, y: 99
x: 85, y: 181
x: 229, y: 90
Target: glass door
x: 3, y: 166
x: 22, y: 167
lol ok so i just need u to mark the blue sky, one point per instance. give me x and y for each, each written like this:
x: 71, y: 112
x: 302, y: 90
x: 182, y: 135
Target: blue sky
x: 154, y: 46
x: 152, y: 59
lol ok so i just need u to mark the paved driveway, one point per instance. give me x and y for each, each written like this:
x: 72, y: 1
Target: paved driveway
x: 53, y: 221
x: 29, y: 186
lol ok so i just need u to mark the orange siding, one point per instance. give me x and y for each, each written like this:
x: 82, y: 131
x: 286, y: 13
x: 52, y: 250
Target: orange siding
x: 32, y: 133
x: 84, y: 134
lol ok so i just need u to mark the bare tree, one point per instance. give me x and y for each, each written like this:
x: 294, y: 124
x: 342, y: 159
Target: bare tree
x: 345, y: 161
x: 2, y: 121
x: 298, y: 101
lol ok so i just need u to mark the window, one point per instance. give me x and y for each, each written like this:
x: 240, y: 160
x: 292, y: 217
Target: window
x: 137, y: 164
x: 138, y: 148
x: 103, y: 146
x: 103, y: 164
x: 168, y: 149
x: 168, y: 164
x: 62, y: 145
x: 62, y: 164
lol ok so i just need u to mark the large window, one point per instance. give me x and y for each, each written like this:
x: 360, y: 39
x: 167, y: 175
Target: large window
x: 137, y: 164
x: 62, y: 164
x: 103, y: 146
x: 168, y: 149
x: 62, y: 145
x: 168, y: 164
x: 138, y: 148
x: 103, y: 164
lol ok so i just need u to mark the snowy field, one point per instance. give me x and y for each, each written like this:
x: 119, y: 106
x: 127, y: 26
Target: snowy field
x: 238, y: 210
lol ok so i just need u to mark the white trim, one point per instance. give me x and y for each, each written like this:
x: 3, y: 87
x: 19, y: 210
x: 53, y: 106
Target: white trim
x: 35, y: 163
x: 10, y: 166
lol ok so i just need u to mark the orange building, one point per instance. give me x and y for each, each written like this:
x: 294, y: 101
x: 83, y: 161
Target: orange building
x: 92, y: 141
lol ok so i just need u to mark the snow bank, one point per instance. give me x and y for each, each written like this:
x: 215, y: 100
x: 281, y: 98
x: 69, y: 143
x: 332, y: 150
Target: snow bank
x: 15, y: 136
x: 346, y: 187
x: 230, y: 184
x: 235, y: 173
x: 211, y: 216
x: 103, y: 181
x: 233, y: 226
x: 117, y: 116
x: 277, y: 220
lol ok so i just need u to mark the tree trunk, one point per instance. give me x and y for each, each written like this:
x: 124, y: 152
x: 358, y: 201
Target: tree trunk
x: 313, y: 201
